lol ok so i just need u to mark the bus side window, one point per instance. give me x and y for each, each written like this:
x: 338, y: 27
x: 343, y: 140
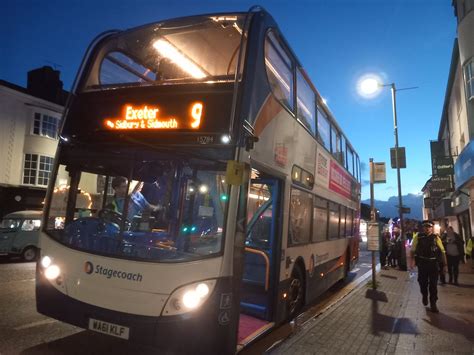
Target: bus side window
x: 301, y: 206
x: 349, y: 217
x: 279, y: 71
x: 342, y: 225
x: 306, y: 103
x: 320, y: 220
x: 333, y: 220
x: 324, y: 130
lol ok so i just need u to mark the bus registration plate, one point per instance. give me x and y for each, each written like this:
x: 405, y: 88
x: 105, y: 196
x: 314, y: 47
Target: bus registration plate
x: 108, y: 328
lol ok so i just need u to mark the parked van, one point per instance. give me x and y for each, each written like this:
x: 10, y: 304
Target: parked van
x: 19, y: 234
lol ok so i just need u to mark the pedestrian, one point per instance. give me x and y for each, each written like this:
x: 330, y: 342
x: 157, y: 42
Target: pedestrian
x: 470, y: 244
x: 409, y: 236
x: 454, y: 246
x: 426, y: 250
x: 391, y: 260
x: 441, y: 265
x: 397, y: 247
x: 384, y: 250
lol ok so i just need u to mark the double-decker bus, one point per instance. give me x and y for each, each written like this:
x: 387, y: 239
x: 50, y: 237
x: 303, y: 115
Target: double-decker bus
x: 202, y: 191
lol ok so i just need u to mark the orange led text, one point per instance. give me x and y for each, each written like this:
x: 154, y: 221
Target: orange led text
x: 147, y: 117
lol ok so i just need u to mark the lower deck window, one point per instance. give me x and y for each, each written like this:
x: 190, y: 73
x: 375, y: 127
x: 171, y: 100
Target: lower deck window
x: 301, y: 205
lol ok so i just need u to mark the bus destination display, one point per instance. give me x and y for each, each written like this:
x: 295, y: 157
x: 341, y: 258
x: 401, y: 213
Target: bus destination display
x: 148, y: 117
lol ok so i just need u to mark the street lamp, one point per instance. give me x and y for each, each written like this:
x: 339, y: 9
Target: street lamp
x: 369, y: 86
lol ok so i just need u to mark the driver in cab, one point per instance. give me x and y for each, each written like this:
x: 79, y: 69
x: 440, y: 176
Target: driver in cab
x: 137, y: 203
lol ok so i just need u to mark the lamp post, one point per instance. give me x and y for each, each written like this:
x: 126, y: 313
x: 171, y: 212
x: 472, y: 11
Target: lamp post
x: 369, y: 87
x: 403, y: 259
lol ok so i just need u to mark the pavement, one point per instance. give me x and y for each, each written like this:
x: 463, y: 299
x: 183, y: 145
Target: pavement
x: 391, y: 320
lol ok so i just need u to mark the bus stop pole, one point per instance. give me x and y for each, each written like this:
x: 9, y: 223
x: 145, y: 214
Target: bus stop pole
x: 372, y: 218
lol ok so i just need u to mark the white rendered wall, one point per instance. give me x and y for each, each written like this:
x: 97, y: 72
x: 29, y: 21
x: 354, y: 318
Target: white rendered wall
x: 16, y: 135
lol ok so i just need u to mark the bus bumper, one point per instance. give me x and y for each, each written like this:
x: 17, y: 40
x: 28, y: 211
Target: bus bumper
x: 202, y: 331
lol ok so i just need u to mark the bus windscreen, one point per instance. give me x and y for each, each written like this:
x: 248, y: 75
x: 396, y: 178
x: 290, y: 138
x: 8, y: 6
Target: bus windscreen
x: 200, y: 49
x: 161, y: 210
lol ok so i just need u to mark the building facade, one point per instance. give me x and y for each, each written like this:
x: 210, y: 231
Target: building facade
x: 449, y: 193
x: 29, y: 125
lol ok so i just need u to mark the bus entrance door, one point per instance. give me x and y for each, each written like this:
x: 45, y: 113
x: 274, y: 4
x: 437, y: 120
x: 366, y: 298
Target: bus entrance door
x: 263, y: 227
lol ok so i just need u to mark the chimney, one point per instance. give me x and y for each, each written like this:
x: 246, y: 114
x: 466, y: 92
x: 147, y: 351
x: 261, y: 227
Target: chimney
x: 45, y: 83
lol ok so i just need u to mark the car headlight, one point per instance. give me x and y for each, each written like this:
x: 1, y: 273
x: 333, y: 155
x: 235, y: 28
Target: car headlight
x: 188, y: 298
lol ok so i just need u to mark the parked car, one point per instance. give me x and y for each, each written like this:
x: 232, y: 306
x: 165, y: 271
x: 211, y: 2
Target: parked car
x: 19, y: 234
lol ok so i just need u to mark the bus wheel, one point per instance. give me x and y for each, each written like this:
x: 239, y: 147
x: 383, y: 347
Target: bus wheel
x: 296, y: 292
x: 29, y: 254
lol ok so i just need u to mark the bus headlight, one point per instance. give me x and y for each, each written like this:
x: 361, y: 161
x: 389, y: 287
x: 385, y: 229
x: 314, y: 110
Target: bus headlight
x: 52, y: 272
x: 188, y: 298
x: 46, y: 261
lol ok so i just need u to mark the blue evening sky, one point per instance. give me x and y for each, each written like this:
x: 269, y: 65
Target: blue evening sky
x: 408, y: 42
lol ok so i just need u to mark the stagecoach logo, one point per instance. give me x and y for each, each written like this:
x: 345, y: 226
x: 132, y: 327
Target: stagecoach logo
x: 110, y: 273
x: 88, y: 267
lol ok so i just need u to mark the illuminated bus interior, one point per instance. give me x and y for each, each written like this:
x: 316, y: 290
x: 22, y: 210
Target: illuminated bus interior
x: 174, y: 207
x: 201, y: 48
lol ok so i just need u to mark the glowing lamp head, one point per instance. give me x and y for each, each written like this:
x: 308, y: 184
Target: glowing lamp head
x: 369, y: 86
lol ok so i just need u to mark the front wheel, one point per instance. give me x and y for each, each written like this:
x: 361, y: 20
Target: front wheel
x: 296, y: 292
x: 29, y: 254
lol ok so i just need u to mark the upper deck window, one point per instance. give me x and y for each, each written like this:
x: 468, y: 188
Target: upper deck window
x: 203, y: 48
x: 279, y: 71
x: 306, y: 103
x: 336, y: 144
x: 324, y: 129
x: 350, y: 161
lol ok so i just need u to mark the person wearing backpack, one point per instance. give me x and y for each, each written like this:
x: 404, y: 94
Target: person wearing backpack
x: 427, y: 250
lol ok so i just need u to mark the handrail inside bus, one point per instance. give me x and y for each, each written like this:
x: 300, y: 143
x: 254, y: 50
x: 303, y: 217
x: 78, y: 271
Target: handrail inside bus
x: 267, y: 264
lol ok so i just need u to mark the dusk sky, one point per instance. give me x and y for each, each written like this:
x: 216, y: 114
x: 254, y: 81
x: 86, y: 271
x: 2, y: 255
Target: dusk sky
x: 408, y: 42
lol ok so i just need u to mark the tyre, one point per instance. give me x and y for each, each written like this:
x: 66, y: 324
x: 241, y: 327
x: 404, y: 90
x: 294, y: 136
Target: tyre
x: 296, y: 292
x: 29, y: 254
